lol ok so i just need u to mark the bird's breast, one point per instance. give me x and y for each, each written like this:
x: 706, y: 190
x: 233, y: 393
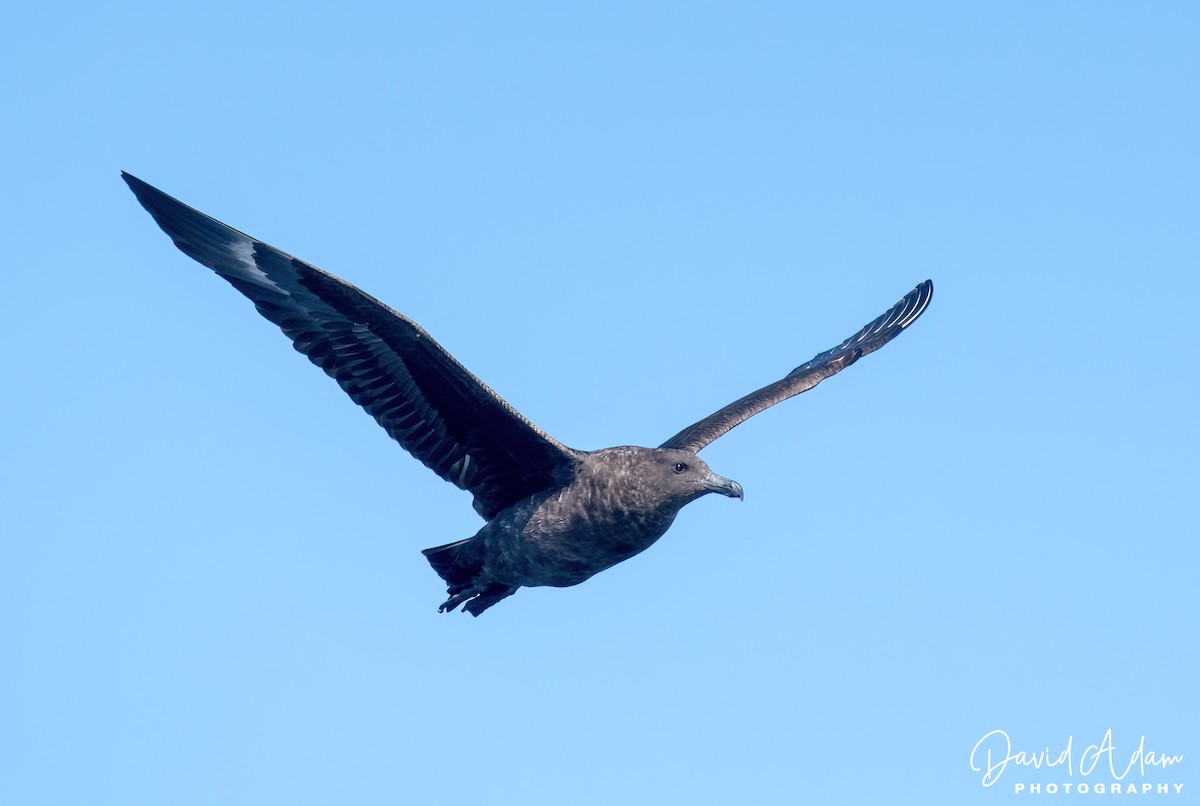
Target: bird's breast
x: 572, y: 535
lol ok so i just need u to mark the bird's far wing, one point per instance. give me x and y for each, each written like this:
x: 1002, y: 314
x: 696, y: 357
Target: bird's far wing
x: 806, y: 376
x: 428, y: 402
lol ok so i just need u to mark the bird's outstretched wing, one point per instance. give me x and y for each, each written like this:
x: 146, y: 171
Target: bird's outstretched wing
x: 428, y: 402
x: 808, y: 375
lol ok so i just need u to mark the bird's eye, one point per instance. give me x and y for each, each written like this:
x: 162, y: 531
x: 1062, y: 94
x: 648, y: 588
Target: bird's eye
x: 679, y: 467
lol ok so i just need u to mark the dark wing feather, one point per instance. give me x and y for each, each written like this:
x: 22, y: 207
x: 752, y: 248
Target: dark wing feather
x: 808, y: 375
x: 423, y: 398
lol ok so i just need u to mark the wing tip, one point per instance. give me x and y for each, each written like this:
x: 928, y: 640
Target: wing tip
x: 135, y: 184
x: 916, y: 301
x: 147, y: 195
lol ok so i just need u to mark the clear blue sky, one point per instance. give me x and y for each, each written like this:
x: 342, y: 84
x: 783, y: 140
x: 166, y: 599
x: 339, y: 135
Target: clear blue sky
x: 621, y: 218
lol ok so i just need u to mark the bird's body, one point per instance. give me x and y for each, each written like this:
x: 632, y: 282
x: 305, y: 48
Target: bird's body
x: 555, y: 516
x: 614, y: 508
x: 561, y: 538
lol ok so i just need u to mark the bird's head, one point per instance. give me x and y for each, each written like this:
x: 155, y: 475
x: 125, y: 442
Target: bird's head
x: 684, y: 475
x: 649, y: 478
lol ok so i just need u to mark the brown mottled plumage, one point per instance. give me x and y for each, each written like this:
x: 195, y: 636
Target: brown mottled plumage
x: 555, y: 515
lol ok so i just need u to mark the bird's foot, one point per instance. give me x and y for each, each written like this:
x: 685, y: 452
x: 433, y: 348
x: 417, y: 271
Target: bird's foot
x: 478, y: 598
x: 457, y: 599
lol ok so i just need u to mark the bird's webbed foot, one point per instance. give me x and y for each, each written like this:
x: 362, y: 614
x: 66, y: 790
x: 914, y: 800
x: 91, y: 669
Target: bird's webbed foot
x: 478, y: 598
x: 458, y: 598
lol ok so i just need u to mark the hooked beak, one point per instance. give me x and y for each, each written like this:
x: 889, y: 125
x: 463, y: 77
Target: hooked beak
x: 724, y: 486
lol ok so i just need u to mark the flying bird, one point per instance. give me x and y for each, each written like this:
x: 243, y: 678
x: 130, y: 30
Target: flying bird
x: 554, y: 515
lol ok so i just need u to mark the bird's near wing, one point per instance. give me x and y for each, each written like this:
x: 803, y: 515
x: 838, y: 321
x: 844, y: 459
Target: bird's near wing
x: 806, y: 376
x: 428, y: 402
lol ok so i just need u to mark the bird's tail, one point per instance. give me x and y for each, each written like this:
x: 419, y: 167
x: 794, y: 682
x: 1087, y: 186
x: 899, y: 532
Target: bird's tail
x: 458, y: 563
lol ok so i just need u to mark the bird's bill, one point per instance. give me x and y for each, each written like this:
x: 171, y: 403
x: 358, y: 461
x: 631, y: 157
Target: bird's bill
x: 724, y: 486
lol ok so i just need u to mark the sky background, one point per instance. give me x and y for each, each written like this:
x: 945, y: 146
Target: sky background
x: 621, y: 216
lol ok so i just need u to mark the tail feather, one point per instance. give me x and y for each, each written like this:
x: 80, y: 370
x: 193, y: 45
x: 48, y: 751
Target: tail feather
x: 461, y: 564
x: 457, y: 563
